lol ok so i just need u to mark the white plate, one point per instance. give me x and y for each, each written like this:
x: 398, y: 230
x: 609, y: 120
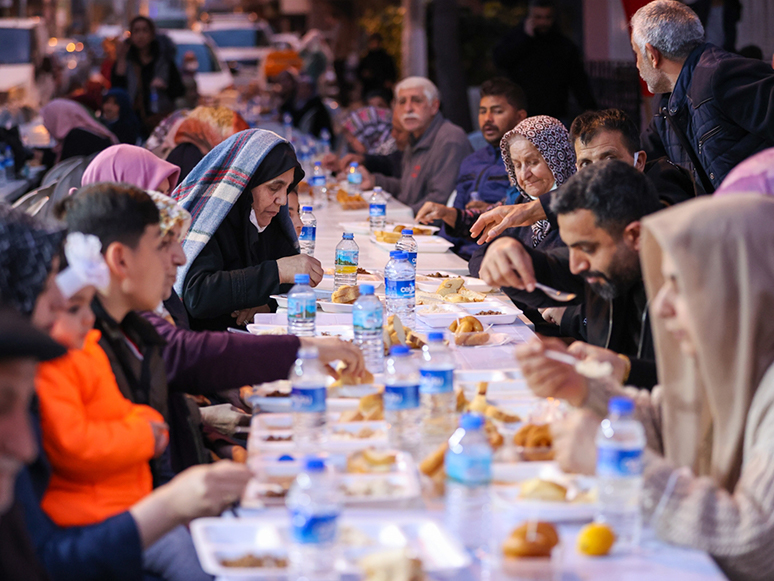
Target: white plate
x: 425, y: 244
x: 329, y: 307
x: 215, y: 538
x: 430, y: 284
x: 282, y: 300
x: 495, y: 340
x: 437, y: 320
x: 509, y: 312
x: 364, y: 227
x: 377, y: 280
x: 476, y: 284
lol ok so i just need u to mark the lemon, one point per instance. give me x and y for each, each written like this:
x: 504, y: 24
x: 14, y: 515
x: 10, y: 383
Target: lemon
x: 596, y: 539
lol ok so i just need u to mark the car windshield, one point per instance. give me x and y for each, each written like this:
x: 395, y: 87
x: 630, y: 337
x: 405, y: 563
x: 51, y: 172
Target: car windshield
x: 15, y: 46
x: 238, y: 37
x: 208, y: 63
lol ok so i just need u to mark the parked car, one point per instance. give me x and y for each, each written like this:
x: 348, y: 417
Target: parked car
x: 242, y: 43
x: 22, y: 48
x: 212, y: 76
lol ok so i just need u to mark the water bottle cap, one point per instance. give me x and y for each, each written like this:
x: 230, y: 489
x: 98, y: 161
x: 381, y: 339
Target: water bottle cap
x: 398, y: 255
x: 620, y: 406
x: 348, y: 236
x: 435, y: 336
x: 377, y: 189
x: 366, y: 289
x: 306, y: 208
x: 408, y: 232
x: 354, y: 164
x: 472, y: 421
x: 301, y: 279
x: 285, y: 458
x: 399, y: 351
x: 314, y: 464
x: 317, y: 163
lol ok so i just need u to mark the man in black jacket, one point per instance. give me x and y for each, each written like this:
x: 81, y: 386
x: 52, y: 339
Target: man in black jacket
x: 715, y: 109
x: 599, y: 212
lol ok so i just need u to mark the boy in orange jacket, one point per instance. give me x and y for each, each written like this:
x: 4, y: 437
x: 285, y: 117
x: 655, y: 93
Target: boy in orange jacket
x: 98, y: 442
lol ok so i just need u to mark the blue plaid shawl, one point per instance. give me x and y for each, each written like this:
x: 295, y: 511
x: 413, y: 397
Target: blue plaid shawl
x: 215, y: 184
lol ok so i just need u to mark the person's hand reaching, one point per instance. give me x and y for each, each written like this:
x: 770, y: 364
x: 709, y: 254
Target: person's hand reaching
x: 290, y: 266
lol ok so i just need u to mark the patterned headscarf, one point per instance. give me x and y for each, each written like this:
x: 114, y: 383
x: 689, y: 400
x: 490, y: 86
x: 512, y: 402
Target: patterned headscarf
x: 27, y: 248
x: 206, y: 127
x: 171, y: 214
x: 552, y: 140
x: 371, y: 126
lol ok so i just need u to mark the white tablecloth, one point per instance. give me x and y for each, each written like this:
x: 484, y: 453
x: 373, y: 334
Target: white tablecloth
x: 653, y: 561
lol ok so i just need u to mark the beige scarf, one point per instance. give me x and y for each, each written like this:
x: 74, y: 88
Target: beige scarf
x: 724, y: 252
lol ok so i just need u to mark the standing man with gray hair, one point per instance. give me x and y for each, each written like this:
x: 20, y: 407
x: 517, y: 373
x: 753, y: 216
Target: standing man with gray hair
x: 431, y: 162
x: 715, y: 108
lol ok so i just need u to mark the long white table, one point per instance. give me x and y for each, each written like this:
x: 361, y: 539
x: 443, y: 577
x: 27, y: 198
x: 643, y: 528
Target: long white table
x: 653, y: 560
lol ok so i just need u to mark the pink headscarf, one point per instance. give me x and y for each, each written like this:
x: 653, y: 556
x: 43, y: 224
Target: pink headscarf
x: 132, y: 165
x: 61, y: 116
x: 753, y: 175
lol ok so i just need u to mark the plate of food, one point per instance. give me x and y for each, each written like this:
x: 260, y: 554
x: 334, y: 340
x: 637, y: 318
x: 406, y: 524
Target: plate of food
x: 448, y: 290
x: 341, y: 300
x: 491, y: 312
x: 282, y: 300
x: 439, y: 315
x: 364, y: 227
x: 425, y: 244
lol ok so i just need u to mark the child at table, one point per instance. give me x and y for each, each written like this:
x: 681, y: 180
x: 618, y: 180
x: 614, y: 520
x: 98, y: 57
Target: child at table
x: 98, y: 442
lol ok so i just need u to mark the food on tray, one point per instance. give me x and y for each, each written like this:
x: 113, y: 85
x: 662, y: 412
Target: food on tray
x: 536, y: 441
x: 467, y: 324
x: 272, y: 331
x: 434, y: 461
x: 450, y: 286
x: 471, y: 339
x: 596, y: 539
x: 462, y: 402
x: 252, y: 561
x: 370, y: 408
x: 532, y: 539
x: 391, y: 565
x: 347, y: 378
x: 371, y: 487
x: 418, y: 230
x: 273, y: 438
x: 594, y: 369
x: 436, y: 309
x: 362, y: 271
x: 387, y: 237
x: 488, y: 313
x: 348, y: 202
x: 437, y: 275
x: 453, y: 290
x: 537, y: 489
x: 369, y: 461
x: 495, y: 413
x: 362, y: 434
x: 480, y: 405
x: 345, y: 295
x: 396, y: 334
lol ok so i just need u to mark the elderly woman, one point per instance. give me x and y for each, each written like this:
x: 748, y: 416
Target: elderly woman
x: 242, y: 246
x: 708, y: 469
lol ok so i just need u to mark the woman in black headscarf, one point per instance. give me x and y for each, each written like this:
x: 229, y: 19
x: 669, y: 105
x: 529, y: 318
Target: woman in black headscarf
x: 242, y: 246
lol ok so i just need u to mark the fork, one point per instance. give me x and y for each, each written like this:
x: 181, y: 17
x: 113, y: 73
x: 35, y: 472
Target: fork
x: 557, y: 295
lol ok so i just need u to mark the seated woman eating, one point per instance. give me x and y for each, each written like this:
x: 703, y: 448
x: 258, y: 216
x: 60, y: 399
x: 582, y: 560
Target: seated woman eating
x: 242, y: 246
x: 708, y: 470
x: 75, y: 129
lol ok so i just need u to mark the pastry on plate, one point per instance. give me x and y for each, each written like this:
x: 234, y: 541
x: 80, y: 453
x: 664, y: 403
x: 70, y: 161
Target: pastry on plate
x: 345, y: 295
x: 532, y: 539
x: 537, y: 489
x: 369, y: 461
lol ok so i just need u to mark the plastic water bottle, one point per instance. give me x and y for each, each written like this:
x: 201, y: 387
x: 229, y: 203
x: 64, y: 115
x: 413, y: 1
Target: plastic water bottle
x: 408, y: 245
x: 354, y: 179
x: 308, y: 231
x: 287, y: 126
x: 307, y: 397
x: 324, y: 145
x: 399, y: 283
x: 314, y: 507
x: 319, y: 185
x: 305, y: 159
x: 368, y: 321
x: 468, y: 464
x: 401, y: 400
x: 9, y: 166
x: 377, y: 210
x: 345, y: 262
x: 620, y: 443
x: 436, y: 392
x: 154, y: 100
x: 302, y: 308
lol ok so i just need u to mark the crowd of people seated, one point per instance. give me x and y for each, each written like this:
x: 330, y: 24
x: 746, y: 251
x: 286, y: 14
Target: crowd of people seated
x: 120, y: 384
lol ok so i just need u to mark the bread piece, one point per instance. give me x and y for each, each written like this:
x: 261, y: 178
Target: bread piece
x: 531, y: 540
x: 450, y: 286
x: 455, y: 298
x: 391, y: 565
x: 345, y: 295
x: 462, y: 403
x: 434, y: 461
x: 387, y: 237
x: 379, y: 457
x: 472, y: 296
x: 534, y: 436
x: 471, y: 339
x: 347, y: 378
x: 537, y: 489
x: 497, y: 414
x: 493, y: 435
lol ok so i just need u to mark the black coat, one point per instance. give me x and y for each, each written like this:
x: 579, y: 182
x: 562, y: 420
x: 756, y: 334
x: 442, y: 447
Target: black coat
x: 237, y: 269
x: 186, y: 156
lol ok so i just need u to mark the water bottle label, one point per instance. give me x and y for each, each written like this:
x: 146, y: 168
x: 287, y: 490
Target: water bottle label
x: 299, y: 308
x: 308, y: 399
x: 468, y: 470
x: 616, y: 463
x: 412, y: 258
x: 318, y: 181
x: 346, y: 261
x: 399, y: 289
x: 308, y: 233
x: 401, y: 397
x: 355, y: 178
x: 377, y: 210
x: 367, y: 320
x: 436, y: 380
x: 313, y: 528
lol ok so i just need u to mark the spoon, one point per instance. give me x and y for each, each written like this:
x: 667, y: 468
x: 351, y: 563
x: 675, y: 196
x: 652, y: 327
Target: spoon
x: 557, y: 295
